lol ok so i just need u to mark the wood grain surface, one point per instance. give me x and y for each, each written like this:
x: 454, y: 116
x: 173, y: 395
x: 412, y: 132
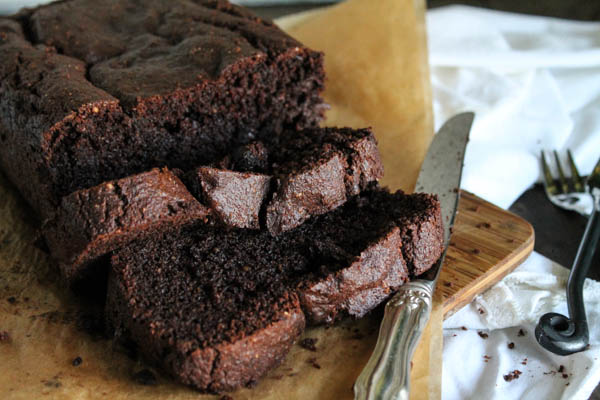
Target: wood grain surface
x: 487, y: 243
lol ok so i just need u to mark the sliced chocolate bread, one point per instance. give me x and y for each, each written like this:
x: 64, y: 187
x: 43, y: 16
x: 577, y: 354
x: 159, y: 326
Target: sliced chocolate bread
x: 236, y: 197
x: 313, y: 171
x: 201, y: 301
x: 317, y: 171
x: 92, y: 222
x: 356, y: 251
x: 206, y: 312
x: 97, y: 90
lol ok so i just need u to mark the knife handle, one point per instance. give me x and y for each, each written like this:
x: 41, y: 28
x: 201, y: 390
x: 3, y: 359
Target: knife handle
x: 387, y: 373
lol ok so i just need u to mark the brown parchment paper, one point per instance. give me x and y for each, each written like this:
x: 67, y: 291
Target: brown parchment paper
x: 378, y: 76
x: 376, y: 61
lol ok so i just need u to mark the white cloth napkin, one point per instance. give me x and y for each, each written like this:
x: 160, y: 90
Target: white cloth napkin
x: 474, y: 366
x: 534, y: 83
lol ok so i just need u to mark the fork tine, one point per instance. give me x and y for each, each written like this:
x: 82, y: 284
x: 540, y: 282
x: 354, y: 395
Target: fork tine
x: 548, y: 179
x: 594, y: 177
x: 564, y: 186
x: 575, y: 177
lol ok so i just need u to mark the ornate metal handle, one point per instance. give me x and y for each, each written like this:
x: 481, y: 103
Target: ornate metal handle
x: 387, y: 374
x: 555, y: 332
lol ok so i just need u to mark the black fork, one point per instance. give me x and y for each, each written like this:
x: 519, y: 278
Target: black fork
x: 557, y: 333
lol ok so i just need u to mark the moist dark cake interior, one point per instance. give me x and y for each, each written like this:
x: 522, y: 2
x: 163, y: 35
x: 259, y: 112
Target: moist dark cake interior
x: 178, y: 139
x: 90, y: 223
x: 293, y: 176
x: 202, y: 287
x: 93, y: 90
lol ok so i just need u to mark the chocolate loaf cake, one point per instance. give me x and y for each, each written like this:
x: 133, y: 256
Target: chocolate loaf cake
x: 237, y: 197
x: 178, y: 141
x: 202, y: 308
x: 97, y: 90
x: 89, y: 223
x: 92, y: 222
x: 379, y: 225
x: 292, y: 176
x: 203, y: 301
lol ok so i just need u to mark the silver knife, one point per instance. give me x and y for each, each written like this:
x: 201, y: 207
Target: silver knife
x: 387, y: 373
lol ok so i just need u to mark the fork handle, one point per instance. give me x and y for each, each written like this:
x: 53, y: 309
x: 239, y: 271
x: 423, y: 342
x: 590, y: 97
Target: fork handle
x: 555, y: 332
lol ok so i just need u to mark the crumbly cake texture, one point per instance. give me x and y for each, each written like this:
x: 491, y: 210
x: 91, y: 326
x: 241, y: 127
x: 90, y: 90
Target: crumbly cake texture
x: 177, y: 141
x: 203, y: 301
x: 292, y: 177
x: 90, y: 223
x: 93, y: 91
x: 237, y: 197
x: 192, y: 308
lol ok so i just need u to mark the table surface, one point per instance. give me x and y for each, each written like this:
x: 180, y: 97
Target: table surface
x: 557, y: 231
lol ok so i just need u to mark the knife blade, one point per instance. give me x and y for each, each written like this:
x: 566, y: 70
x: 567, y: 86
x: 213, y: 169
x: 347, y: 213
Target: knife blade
x: 387, y: 373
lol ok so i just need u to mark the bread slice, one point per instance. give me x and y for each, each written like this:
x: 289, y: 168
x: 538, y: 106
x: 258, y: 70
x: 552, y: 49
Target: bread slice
x: 289, y: 177
x: 93, y: 91
x: 202, y: 300
x: 209, y: 323
x: 92, y: 222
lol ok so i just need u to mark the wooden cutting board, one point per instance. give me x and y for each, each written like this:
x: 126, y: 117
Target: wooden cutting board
x: 487, y: 243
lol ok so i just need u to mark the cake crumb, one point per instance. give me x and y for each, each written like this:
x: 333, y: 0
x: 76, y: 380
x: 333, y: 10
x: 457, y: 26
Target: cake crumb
x: 486, y: 358
x: 481, y: 311
x: 309, y: 344
x: 448, y: 284
x: 313, y: 361
x: 464, y: 328
x: 511, y: 345
x: 251, y: 384
x: 482, y: 335
x: 53, y: 383
x: 512, y: 375
x: 145, y: 377
x: 521, y: 332
x: 561, y: 368
x: 524, y: 362
x: 4, y: 337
